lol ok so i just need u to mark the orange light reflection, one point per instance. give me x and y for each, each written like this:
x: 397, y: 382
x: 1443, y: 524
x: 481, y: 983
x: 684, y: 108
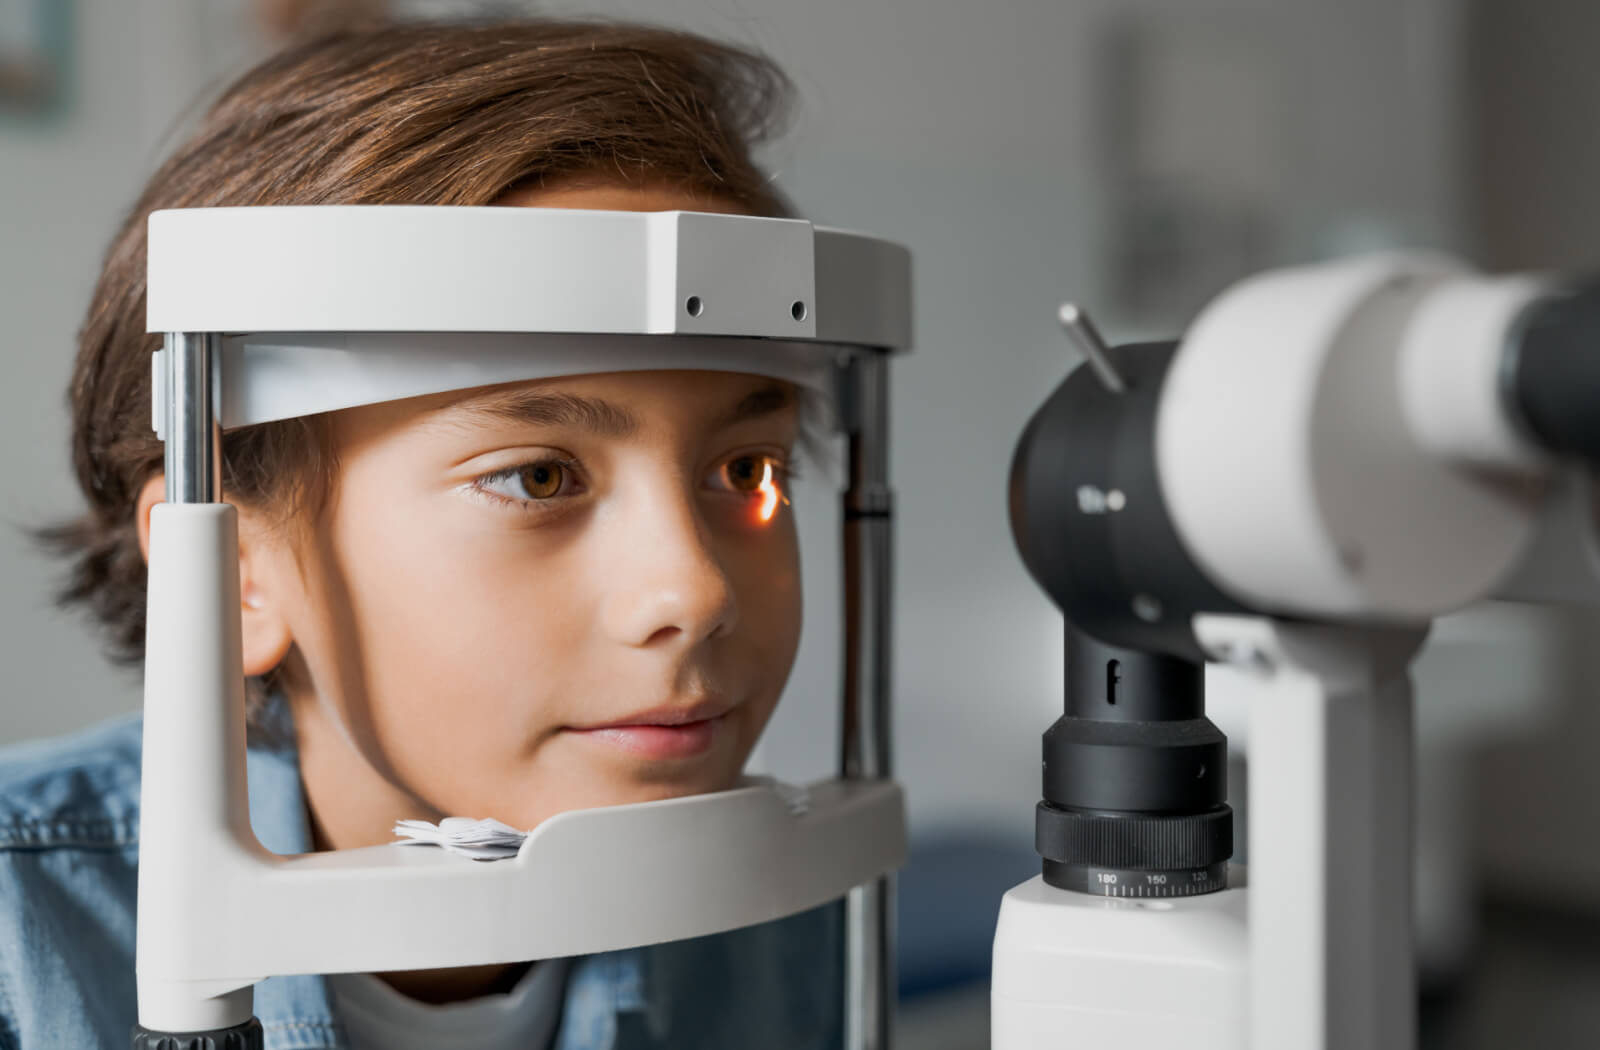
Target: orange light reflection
x: 769, y: 495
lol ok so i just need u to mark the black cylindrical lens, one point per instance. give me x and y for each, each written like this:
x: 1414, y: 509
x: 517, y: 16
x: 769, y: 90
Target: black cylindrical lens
x: 1135, y: 778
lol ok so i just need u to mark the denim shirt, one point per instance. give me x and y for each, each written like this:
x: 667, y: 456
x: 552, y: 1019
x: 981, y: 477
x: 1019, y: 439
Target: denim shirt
x: 69, y: 850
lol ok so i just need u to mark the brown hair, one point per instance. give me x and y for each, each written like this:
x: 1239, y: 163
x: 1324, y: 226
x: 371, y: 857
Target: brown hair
x: 421, y: 113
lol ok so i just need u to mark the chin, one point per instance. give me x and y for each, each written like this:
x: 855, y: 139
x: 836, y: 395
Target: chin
x: 652, y: 782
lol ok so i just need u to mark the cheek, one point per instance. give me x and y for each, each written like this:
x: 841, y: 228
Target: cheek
x: 467, y: 641
x: 459, y: 632
x: 766, y: 581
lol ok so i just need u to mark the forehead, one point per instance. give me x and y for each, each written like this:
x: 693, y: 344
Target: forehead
x: 607, y: 194
x: 624, y: 403
x: 613, y: 405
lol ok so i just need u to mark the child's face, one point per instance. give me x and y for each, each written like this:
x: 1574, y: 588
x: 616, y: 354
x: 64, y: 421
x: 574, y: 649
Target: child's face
x: 536, y: 597
x: 562, y: 593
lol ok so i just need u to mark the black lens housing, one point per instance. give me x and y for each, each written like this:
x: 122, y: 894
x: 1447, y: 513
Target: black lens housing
x: 1135, y: 776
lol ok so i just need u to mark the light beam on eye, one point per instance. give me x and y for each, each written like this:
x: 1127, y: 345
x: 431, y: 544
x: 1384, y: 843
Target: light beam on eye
x: 769, y: 495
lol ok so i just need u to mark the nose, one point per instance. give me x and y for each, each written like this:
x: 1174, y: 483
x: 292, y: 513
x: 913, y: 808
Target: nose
x: 667, y: 586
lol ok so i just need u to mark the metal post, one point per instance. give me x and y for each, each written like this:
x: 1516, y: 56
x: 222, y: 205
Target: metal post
x: 865, y: 744
x: 194, y: 698
x: 193, y: 460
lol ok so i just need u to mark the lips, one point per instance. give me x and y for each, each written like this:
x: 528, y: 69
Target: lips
x: 666, y: 715
x: 662, y: 732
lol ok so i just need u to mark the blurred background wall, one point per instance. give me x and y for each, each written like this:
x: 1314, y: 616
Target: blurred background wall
x: 71, y: 165
x: 1133, y: 155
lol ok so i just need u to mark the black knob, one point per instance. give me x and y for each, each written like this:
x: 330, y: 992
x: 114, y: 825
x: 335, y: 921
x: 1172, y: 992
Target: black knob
x: 246, y: 1036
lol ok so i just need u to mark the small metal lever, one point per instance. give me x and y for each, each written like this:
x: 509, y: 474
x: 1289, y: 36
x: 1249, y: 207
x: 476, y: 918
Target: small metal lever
x: 1086, y: 337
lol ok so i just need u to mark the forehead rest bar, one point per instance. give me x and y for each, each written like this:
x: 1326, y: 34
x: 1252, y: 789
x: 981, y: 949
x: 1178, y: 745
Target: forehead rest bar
x: 283, y: 376
x: 455, y: 269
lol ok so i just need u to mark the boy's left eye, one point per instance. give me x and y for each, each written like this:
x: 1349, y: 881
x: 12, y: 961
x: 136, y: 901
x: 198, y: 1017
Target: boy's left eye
x: 746, y: 473
x: 531, y: 482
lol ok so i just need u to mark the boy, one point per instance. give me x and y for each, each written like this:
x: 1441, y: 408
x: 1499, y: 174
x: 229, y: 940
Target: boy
x: 507, y: 602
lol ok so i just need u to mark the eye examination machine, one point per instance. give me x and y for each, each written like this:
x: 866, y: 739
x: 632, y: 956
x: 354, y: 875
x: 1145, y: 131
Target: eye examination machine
x: 276, y: 313
x: 1330, y: 458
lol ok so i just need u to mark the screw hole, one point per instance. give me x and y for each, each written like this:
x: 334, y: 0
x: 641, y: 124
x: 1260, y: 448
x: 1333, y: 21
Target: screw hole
x: 1146, y: 608
x: 694, y: 306
x: 798, y: 310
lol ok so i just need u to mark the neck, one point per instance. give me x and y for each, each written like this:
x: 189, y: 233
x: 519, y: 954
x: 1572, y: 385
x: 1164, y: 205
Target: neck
x: 350, y: 806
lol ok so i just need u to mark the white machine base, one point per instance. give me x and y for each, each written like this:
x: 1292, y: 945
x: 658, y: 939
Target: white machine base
x: 1075, y: 970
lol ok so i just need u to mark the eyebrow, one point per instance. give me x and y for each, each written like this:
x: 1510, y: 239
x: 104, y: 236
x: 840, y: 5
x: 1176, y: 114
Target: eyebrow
x: 606, y: 418
x: 537, y: 408
x: 767, y: 401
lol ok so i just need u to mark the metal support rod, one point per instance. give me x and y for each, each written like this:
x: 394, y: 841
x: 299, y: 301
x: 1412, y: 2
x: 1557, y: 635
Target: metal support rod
x: 193, y: 460
x: 865, y: 746
x: 193, y: 757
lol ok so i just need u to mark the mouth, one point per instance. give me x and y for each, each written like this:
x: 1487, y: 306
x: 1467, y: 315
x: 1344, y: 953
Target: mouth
x: 663, y: 732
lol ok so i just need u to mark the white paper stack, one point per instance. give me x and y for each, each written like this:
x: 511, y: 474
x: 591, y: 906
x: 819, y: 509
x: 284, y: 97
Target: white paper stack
x: 486, y: 839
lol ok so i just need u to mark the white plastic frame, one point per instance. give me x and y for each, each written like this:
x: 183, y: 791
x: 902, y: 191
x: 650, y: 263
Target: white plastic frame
x: 218, y: 912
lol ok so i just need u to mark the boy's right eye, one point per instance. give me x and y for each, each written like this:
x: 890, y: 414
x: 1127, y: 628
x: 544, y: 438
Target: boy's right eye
x: 528, y: 483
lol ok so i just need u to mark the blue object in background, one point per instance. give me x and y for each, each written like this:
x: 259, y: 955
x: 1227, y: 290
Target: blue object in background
x: 947, y: 902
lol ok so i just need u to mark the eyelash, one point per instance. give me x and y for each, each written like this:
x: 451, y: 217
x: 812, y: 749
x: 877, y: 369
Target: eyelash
x: 783, y: 472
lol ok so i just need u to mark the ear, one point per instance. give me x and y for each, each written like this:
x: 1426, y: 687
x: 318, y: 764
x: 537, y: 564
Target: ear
x: 262, y: 592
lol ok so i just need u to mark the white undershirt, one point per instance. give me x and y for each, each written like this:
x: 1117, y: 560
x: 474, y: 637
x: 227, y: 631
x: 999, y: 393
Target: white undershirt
x: 376, y: 1017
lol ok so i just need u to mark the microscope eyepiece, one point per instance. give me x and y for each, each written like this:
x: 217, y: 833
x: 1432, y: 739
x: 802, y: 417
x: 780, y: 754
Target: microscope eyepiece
x: 1135, y: 776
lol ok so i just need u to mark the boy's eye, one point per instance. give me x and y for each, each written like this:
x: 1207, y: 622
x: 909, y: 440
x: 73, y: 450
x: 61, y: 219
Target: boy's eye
x: 541, y: 480
x: 530, y: 482
x: 747, y: 473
